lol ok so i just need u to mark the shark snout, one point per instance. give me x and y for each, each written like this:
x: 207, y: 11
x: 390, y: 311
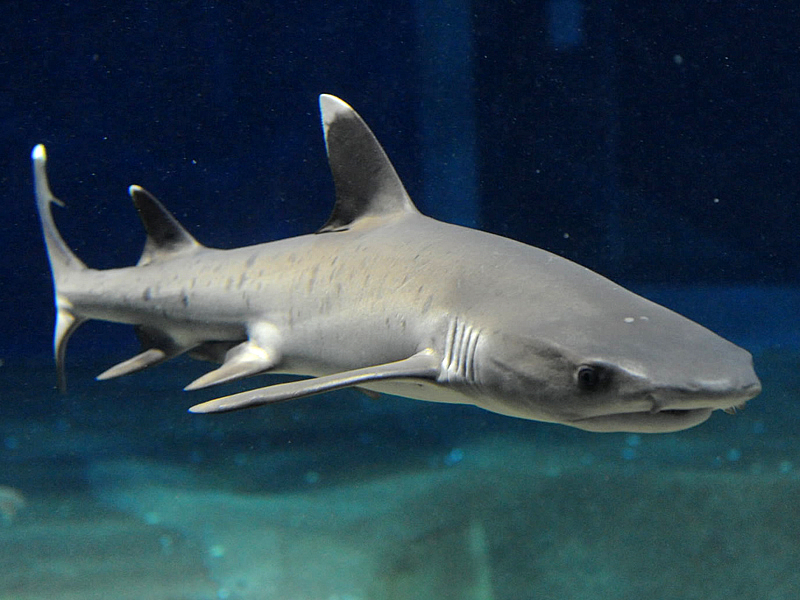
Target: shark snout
x: 751, y: 389
x: 737, y: 387
x: 723, y: 394
x: 720, y: 375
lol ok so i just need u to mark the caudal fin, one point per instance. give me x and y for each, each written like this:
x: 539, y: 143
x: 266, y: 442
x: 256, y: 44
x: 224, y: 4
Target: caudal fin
x: 63, y: 262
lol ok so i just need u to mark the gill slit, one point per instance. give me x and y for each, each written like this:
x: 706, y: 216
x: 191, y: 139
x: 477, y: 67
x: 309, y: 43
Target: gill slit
x: 458, y: 362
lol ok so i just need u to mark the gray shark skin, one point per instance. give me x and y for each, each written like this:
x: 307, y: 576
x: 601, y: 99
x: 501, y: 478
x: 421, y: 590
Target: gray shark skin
x: 386, y: 299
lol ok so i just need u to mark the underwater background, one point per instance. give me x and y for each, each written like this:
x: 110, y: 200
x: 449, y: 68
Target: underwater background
x: 653, y: 142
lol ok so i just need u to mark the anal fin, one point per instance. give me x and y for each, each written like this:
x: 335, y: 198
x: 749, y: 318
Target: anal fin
x: 422, y: 365
x: 158, y: 347
x: 148, y: 358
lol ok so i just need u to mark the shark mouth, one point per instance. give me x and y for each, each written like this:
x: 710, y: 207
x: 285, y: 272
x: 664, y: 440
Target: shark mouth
x: 663, y: 418
x: 663, y: 421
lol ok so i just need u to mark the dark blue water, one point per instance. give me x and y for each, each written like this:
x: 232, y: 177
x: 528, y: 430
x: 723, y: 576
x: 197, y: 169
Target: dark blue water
x: 656, y: 143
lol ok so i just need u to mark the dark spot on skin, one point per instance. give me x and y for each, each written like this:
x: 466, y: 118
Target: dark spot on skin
x: 184, y: 299
x: 147, y: 295
x: 250, y: 261
x: 313, y: 279
x: 427, y: 306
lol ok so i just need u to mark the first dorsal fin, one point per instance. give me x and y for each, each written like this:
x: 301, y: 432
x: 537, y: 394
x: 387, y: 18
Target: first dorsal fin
x: 366, y: 182
x: 165, y: 236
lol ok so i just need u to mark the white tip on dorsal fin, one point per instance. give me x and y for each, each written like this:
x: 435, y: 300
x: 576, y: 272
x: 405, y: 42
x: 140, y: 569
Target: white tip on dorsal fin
x: 366, y: 182
x: 166, y: 237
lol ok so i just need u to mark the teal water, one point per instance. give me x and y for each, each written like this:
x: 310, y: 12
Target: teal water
x: 345, y: 496
x: 653, y: 142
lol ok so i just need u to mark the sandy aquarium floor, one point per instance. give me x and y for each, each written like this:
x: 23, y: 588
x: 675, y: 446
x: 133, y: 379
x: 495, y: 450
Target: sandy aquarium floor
x: 345, y: 497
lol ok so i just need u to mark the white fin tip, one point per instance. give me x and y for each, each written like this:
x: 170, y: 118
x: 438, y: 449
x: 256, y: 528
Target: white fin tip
x: 38, y: 152
x: 331, y: 107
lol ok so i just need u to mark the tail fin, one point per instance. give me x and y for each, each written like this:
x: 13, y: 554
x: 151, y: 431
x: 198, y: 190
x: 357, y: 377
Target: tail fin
x: 63, y: 263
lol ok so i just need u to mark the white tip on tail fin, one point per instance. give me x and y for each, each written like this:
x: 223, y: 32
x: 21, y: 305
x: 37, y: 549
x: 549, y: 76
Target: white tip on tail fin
x: 39, y: 152
x: 63, y: 262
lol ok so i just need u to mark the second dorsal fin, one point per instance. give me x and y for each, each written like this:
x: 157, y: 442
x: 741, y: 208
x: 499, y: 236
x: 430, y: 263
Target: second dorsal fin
x: 166, y: 237
x: 366, y: 182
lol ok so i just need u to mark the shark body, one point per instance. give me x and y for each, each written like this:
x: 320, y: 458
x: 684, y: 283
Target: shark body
x: 386, y: 299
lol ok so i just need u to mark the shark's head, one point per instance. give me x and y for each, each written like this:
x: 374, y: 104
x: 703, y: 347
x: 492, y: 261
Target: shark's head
x: 638, y: 368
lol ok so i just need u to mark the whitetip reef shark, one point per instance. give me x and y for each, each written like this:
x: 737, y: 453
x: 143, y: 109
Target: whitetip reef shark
x: 386, y: 299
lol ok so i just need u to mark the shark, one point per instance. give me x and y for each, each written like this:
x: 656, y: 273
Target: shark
x: 387, y: 300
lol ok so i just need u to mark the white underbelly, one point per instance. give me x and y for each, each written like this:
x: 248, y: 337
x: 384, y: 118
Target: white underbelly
x: 420, y: 390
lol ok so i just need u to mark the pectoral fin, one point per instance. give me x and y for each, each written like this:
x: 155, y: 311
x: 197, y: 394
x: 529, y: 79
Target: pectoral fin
x: 422, y: 365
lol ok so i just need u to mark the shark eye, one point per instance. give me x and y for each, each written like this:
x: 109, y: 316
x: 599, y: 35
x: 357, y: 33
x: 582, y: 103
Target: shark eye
x: 591, y: 377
